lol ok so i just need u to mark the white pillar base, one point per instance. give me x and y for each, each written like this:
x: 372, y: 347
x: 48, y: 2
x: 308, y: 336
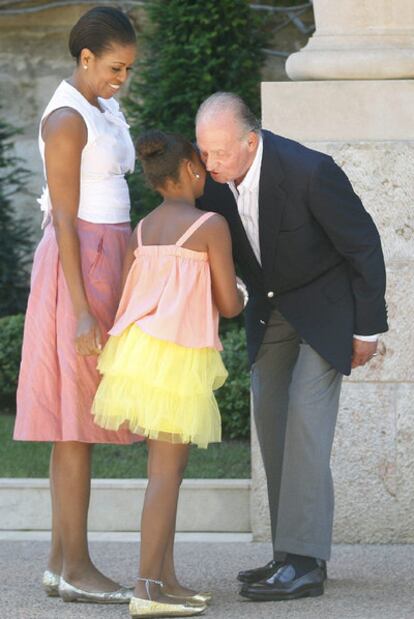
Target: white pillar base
x: 315, y: 63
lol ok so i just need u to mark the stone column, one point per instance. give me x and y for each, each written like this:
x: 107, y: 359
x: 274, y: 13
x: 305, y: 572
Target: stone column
x: 354, y: 39
x: 345, y: 109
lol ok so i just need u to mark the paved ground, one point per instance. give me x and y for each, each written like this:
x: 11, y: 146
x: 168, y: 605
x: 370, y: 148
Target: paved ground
x: 365, y: 582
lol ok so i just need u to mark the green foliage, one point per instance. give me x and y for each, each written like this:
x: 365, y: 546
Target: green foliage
x: 234, y: 397
x: 193, y: 49
x: 11, y: 337
x: 15, y: 243
x: 230, y: 459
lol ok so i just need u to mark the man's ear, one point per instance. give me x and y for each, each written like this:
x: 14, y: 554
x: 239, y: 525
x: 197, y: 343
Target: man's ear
x: 252, y: 140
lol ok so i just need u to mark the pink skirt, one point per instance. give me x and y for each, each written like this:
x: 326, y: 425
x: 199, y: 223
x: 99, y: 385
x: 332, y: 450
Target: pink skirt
x: 56, y: 385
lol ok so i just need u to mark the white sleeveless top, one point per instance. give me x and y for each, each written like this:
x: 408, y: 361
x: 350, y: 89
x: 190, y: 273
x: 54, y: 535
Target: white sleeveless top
x: 108, y: 154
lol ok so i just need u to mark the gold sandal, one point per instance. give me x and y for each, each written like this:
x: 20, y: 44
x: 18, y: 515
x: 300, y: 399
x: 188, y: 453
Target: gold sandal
x: 138, y: 607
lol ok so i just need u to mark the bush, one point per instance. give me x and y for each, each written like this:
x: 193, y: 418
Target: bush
x: 15, y: 241
x: 192, y: 49
x: 11, y: 337
x: 234, y: 397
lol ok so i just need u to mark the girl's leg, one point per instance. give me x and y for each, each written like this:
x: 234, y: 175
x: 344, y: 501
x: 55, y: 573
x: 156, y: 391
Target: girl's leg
x: 168, y: 574
x: 71, y: 475
x: 166, y: 466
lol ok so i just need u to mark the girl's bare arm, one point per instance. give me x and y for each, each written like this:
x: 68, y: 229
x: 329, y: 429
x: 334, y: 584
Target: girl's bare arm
x: 228, y: 299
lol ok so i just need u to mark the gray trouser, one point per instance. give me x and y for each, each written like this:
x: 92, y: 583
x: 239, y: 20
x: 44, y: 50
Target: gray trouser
x: 295, y: 403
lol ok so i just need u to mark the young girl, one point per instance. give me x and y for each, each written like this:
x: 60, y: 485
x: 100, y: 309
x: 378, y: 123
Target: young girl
x: 162, y: 362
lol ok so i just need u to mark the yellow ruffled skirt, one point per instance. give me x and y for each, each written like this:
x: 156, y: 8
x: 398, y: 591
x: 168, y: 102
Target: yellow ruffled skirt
x: 159, y: 389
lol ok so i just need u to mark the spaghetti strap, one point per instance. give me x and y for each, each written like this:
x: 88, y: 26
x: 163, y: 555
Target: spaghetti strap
x: 198, y: 222
x: 139, y: 233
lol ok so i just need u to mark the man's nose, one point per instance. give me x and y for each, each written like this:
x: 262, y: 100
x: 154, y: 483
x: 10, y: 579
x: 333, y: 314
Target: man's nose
x: 209, y: 163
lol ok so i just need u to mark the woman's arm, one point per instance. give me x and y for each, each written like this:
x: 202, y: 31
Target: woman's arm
x: 227, y: 297
x: 129, y: 256
x: 65, y: 136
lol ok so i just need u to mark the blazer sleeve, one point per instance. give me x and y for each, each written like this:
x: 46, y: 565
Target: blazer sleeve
x: 339, y: 211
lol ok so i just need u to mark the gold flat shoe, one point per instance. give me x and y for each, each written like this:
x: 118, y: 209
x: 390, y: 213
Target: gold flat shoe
x: 50, y: 582
x: 69, y: 593
x: 139, y: 607
x: 202, y: 597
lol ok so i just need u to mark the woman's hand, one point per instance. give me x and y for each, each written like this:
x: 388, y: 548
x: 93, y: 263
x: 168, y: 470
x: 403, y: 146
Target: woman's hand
x: 88, y: 336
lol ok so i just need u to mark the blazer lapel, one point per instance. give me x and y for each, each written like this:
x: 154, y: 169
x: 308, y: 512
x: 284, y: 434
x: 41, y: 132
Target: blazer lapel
x: 272, y: 202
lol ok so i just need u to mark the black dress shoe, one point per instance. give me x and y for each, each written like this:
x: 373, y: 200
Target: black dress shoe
x: 262, y: 573
x: 285, y: 585
x: 322, y: 564
x: 259, y: 573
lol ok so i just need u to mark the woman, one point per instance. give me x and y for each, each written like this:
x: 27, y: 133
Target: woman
x: 86, y: 150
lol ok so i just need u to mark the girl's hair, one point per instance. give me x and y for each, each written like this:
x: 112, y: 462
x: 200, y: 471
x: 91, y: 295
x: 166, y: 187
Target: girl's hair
x: 161, y: 155
x: 98, y: 28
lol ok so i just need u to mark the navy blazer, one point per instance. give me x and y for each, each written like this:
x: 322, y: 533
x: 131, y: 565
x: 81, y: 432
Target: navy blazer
x: 322, y: 262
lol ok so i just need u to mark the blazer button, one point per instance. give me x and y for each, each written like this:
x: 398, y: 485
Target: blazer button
x: 270, y: 294
x: 262, y: 322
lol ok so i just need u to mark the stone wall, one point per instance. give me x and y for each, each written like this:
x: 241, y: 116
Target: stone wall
x: 374, y: 456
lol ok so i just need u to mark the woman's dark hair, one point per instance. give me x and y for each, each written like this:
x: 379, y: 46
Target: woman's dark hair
x: 161, y: 155
x: 98, y: 28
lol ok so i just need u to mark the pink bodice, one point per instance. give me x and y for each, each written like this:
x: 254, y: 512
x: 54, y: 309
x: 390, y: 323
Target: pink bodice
x: 168, y: 294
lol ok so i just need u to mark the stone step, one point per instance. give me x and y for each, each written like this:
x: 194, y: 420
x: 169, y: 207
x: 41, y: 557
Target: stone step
x: 210, y: 505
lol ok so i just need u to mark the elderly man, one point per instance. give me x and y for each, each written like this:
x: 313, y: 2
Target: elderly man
x: 311, y: 258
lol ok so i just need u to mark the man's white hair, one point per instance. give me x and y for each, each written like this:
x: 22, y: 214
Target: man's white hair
x: 227, y: 102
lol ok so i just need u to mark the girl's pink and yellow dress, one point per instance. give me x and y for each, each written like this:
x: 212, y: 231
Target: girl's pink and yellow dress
x: 162, y: 363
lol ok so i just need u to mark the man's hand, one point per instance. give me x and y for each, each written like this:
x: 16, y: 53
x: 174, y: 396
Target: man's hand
x: 362, y: 352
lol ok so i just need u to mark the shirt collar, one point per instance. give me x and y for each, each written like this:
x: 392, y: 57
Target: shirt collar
x: 252, y: 178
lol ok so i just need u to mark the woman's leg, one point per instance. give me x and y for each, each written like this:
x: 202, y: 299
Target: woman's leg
x: 70, y: 477
x: 166, y: 466
x: 55, y: 554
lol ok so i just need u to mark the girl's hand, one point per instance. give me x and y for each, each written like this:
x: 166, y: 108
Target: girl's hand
x: 88, y: 336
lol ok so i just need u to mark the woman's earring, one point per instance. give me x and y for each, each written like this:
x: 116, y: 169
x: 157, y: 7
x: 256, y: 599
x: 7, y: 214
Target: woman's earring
x: 197, y: 175
x: 85, y: 66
